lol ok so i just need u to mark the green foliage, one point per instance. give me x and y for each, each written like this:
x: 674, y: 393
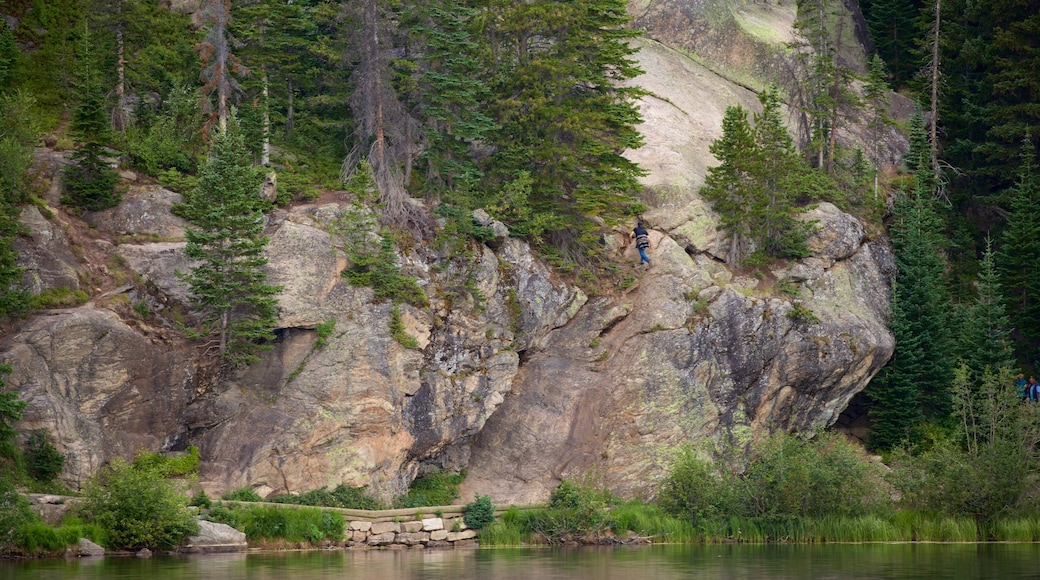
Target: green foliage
x: 801, y: 313
x: 397, y: 330
x: 137, y: 507
x: 341, y: 496
x: 1016, y: 261
x: 788, y: 478
x: 758, y: 181
x: 986, y: 471
x: 695, y: 490
x: 90, y: 180
x: 915, y: 381
x: 324, y: 331
x: 201, y: 499
x: 228, y: 286
x: 479, y: 513
x: 186, y: 463
x: 18, y: 132
x: 277, y: 523
x: 243, y: 494
x: 42, y: 460
x: 61, y: 297
x: 165, y: 144
x: 37, y: 539
x: 437, y: 488
x: 11, y: 408
x: 378, y: 269
x: 14, y: 511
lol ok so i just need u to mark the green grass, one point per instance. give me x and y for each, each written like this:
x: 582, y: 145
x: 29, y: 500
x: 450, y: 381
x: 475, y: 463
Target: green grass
x: 37, y: 538
x: 1015, y: 530
x: 290, y: 524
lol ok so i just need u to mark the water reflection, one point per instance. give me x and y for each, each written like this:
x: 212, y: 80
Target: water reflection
x: 881, y: 561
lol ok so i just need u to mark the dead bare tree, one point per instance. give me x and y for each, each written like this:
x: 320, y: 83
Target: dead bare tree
x: 219, y: 64
x: 384, y: 133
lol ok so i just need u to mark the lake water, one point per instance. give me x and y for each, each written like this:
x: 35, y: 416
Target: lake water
x: 734, y: 562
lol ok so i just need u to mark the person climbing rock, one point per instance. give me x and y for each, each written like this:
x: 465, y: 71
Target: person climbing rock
x: 642, y: 238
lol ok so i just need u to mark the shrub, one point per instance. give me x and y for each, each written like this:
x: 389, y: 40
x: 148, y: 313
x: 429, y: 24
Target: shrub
x: 378, y: 269
x: 14, y: 512
x: 42, y: 460
x: 137, y: 507
x: 438, y: 488
x: 184, y: 464
x: 695, y: 490
x: 243, y: 494
x: 342, y: 496
x: 479, y: 512
x: 38, y: 538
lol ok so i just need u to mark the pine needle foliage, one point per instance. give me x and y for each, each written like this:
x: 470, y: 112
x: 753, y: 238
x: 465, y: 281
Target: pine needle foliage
x: 229, y: 285
x: 759, y: 182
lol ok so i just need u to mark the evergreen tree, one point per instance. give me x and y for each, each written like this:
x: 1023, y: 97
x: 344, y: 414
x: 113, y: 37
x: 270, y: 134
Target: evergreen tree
x: 91, y: 180
x: 1019, y: 259
x: 875, y: 96
x: 783, y: 178
x: 915, y: 382
x: 566, y: 116
x: 18, y: 135
x: 729, y: 186
x: 893, y: 30
x: 228, y: 287
x: 451, y: 94
x: 11, y: 408
x: 984, y: 344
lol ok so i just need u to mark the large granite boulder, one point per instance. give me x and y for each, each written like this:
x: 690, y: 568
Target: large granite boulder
x: 214, y: 538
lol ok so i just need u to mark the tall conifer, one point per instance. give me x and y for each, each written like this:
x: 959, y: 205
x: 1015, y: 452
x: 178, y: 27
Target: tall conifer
x: 1019, y: 259
x: 228, y: 286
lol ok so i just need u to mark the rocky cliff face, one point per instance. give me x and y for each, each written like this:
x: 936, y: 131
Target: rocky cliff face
x: 517, y: 376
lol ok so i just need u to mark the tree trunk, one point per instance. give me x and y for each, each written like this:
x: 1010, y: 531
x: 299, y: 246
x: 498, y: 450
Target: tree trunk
x: 935, y: 93
x: 265, y: 116
x: 119, y: 117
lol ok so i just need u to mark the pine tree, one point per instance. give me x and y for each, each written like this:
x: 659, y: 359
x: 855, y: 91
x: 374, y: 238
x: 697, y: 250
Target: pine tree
x: 18, y: 135
x: 729, y: 185
x: 783, y: 177
x: 1019, y: 259
x: 921, y: 367
x: 228, y: 287
x: 875, y: 96
x: 451, y: 94
x: 984, y: 344
x: 90, y: 180
x: 566, y: 116
x: 893, y: 29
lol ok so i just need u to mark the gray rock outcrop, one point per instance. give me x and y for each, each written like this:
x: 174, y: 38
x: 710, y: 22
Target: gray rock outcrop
x: 513, y: 374
x: 214, y: 538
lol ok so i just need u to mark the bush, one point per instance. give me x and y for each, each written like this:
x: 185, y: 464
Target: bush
x: 789, y: 477
x: 43, y: 461
x: 378, y: 269
x: 342, y: 496
x: 169, y: 465
x: 479, y: 512
x: 695, y: 490
x: 14, y: 513
x: 243, y: 494
x: 438, y: 488
x: 138, y: 508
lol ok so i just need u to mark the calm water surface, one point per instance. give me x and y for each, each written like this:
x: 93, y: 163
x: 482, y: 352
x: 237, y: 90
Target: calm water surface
x: 916, y: 561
